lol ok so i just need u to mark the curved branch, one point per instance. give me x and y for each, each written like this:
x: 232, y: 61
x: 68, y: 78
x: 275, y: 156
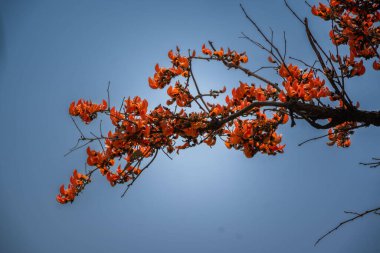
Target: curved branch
x: 357, y: 215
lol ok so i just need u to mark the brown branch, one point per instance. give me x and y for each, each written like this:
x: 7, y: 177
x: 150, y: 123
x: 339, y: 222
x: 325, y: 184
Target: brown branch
x: 357, y: 215
x: 262, y: 33
x: 197, y: 88
x: 142, y: 170
x: 247, y: 71
x: 311, y: 113
x: 325, y: 135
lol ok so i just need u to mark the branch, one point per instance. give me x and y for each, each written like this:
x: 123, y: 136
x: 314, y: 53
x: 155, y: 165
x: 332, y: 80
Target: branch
x: 142, y: 170
x: 325, y: 135
x: 357, y: 215
x: 196, y: 86
x: 312, y: 113
x: 374, y: 164
x: 247, y: 71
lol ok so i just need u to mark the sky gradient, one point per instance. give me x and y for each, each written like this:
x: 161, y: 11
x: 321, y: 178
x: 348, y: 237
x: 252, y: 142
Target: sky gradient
x: 204, y: 200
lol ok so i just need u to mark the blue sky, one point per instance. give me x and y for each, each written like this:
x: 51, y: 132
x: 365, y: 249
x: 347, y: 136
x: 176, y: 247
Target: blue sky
x: 204, y: 200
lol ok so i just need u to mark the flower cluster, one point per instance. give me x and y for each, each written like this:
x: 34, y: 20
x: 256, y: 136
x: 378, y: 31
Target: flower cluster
x: 179, y: 94
x: 356, y: 24
x: 86, y: 110
x: 340, y: 135
x: 231, y: 56
x: 249, y: 94
x: 163, y: 76
x: 302, y: 85
x: 252, y: 136
x: 77, y: 183
x: 122, y: 175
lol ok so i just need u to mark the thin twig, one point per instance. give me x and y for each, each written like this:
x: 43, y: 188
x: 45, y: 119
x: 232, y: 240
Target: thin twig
x: 76, y: 125
x: 142, y: 170
x: 357, y: 215
x: 108, y: 95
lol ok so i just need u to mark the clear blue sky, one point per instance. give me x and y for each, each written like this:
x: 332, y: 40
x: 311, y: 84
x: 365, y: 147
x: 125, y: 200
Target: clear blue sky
x: 205, y: 200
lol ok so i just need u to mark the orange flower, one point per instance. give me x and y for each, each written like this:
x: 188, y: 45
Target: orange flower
x: 219, y: 53
x: 206, y: 50
x: 376, y: 65
x: 244, y: 59
x: 270, y: 59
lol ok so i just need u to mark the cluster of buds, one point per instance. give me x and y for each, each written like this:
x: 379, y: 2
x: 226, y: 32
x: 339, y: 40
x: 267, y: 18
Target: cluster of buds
x: 86, y: 110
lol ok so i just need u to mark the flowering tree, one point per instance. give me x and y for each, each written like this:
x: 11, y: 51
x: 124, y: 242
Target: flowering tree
x: 251, y: 115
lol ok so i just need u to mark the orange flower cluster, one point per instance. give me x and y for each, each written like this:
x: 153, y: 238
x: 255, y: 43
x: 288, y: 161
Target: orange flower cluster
x: 246, y: 94
x: 121, y: 176
x: 179, y: 94
x: 230, y: 56
x: 323, y: 11
x: 252, y: 136
x: 77, y: 183
x: 356, y: 25
x: 349, y: 66
x: 340, y: 135
x: 98, y: 159
x: 163, y: 76
x: 86, y: 110
x: 136, y: 106
x: 301, y: 84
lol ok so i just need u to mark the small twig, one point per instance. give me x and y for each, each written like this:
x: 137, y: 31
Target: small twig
x: 76, y: 125
x: 98, y: 138
x: 261, y: 68
x: 306, y: 64
x: 263, y: 34
x: 294, y: 13
x: 163, y: 150
x: 285, y: 47
x: 100, y: 128
x: 247, y: 71
x: 372, y: 164
x: 108, y: 95
x: 122, y: 103
x: 142, y: 170
x: 76, y: 147
x: 325, y: 135
x: 197, y: 88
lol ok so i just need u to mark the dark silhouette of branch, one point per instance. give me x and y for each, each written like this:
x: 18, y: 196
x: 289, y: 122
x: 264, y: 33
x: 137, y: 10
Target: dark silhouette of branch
x: 357, y: 215
x: 374, y: 164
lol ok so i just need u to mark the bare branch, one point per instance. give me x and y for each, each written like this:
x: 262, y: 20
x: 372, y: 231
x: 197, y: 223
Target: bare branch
x: 374, y: 164
x: 142, y: 170
x: 357, y: 215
